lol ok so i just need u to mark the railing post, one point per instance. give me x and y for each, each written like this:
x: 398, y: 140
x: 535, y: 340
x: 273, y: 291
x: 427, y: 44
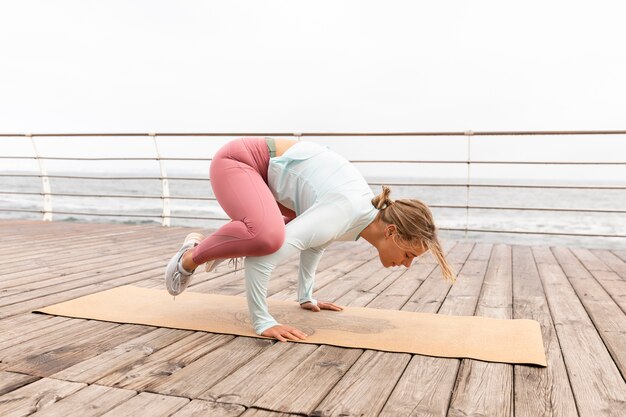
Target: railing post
x: 45, y: 183
x: 165, y: 187
x: 468, y: 134
x: 298, y: 136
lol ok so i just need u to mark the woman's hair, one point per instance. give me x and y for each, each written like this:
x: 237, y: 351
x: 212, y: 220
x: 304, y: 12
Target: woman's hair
x: 415, y: 226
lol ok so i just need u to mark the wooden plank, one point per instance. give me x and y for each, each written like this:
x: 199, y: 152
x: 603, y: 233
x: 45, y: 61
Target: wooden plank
x: 151, y: 370
x: 431, y: 294
x: 13, y: 325
x: 254, y: 412
x: 46, y: 239
x: 271, y: 365
x: 486, y: 388
x: 613, y: 262
x: 81, y: 252
x: 52, y: 361
x: 426, y: 386
x: 201, y: 408
x: 538, y: 390
x: 42, y: 254
x: 10, y: 381
x: 369, y: 289
x: 620, y: 254
x: 36, y: 396
x: 87, y: 275
x: 46, y: 244
x: 35, y: 228
x: 57, y: 339
x: 52, y: 274
x: 364, y: 389
x: 610, y: 280
x: 592, y: 262
x: 20, y: 302
x: 121, y: 356
x: 42, y: 326
x: 608, y: 318
x: 88, y: 286
x: 38, y: 326
x: 147, y: 404
x: 206, y: 371
x: 597, y: 385
x: 303, y: 388
x: 77, y: 253
x: 91, y: 401
x: 398, y: 292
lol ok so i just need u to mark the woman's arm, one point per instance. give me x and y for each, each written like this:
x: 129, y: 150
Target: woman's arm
x: 316, y: 227
x: 309, y: 260
x: 257, y: 274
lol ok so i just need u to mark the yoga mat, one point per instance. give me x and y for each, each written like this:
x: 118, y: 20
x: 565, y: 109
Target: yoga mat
x: 483, y: 338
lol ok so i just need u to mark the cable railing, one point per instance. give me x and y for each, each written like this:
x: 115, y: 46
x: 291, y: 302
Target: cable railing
x: 165, y: 196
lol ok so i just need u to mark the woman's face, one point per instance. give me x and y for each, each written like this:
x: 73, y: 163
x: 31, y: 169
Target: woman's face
x: 392, y: 255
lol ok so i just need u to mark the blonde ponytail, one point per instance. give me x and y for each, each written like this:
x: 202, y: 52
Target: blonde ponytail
x: 382, y: 200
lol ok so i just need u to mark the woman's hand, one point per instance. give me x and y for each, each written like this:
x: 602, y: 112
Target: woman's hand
x: 283, y: 332
x: 320, y: 306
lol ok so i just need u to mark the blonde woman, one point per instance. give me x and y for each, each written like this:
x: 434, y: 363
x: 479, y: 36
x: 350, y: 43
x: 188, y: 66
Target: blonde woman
x: 285, y: 196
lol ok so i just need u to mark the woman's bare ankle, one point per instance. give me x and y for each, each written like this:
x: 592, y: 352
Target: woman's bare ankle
x: 188, y: 263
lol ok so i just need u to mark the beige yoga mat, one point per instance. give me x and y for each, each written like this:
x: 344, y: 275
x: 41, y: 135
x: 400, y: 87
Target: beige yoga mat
x: 487, y: 339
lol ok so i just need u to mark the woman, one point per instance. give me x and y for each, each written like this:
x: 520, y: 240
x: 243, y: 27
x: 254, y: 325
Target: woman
x: 286, y: 196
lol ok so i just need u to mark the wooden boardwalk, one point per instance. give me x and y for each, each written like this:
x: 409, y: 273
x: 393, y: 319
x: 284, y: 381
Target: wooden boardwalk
x: 56, y: 366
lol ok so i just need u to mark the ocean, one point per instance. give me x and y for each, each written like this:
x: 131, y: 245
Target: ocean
x: 137, y: 211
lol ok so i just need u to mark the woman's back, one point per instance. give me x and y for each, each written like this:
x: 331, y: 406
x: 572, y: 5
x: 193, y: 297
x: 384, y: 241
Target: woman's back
x: 308, y: 173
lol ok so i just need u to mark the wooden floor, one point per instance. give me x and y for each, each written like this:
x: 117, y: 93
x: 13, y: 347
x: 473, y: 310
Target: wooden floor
x: 55, y: 366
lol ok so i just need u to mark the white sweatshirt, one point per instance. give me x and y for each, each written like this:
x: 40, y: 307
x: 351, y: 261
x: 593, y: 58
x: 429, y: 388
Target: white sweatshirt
x: 332, y: 201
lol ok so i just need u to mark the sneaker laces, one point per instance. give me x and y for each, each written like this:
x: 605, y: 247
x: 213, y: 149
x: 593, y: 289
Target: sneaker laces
x: 235, y: 262
x: 232, y: 262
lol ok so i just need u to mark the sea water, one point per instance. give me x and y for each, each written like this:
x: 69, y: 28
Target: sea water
x: 149, y: 211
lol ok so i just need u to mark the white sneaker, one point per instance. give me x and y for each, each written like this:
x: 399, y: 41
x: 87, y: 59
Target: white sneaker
x: 177, y: 279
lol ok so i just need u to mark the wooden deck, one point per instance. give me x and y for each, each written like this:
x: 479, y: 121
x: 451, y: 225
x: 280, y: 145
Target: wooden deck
x: 55, y: 366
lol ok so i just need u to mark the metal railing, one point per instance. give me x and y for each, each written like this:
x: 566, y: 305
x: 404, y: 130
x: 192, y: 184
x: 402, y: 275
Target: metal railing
x: 166, y: 197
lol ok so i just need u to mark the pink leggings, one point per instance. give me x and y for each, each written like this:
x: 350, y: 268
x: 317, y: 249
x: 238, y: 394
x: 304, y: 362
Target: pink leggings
x: 239, y: 179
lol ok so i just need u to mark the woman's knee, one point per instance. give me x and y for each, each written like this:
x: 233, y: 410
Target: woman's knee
x: 267, y: 243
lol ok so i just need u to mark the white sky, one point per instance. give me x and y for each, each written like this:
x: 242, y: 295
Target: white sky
x: 241, y: 66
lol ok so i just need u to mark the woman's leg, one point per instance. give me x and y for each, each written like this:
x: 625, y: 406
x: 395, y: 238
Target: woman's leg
x: 239, y: 180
